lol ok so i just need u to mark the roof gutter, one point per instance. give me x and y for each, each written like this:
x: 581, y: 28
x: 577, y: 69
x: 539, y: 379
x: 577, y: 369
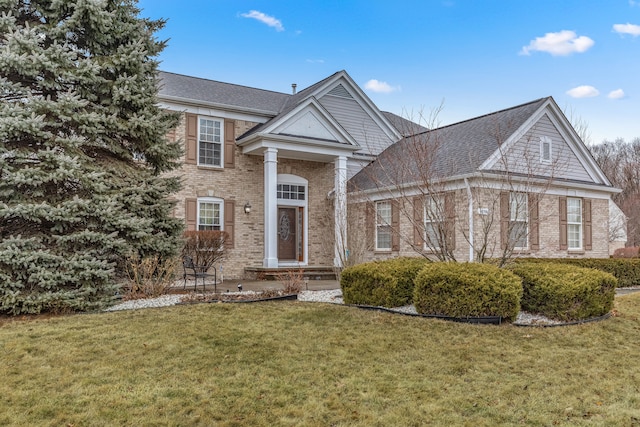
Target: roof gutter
x: 199, y: 103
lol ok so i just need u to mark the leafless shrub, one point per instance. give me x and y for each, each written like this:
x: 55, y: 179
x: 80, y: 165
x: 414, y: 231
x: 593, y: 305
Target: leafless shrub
x: 292, y: 280
x: 149, y: 277
x: 204, y: 247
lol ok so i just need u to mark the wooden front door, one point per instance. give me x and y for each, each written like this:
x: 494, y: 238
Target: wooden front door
x: 289, y: 234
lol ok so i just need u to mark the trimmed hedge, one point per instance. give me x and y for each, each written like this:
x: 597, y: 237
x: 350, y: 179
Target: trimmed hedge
x: 627, y: 271
x: 565, y: 292
x: 467, y: 290
x: 386, y: 283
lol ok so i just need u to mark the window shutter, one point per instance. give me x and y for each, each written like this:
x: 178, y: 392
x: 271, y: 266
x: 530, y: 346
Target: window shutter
x: 586, y: 215
x: 191, y: 213
x: 370, y: 224
x: 229, y: 143
x: 534, y: 223
x: 191, y: 137
x: 450, y: 220
x: 395, y: 226
x: 504, y: 219
x: 229, y: 221
x: 564, y: 244
x: 418, y: 223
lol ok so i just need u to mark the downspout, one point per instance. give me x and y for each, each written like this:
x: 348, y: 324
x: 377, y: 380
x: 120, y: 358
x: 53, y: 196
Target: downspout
x: 470, y: 198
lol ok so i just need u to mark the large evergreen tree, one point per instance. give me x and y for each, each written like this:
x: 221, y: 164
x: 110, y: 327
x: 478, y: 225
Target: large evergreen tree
x: 83, y: 151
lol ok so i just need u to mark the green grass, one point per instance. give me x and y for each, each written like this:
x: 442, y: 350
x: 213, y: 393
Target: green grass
x: 292, y: 364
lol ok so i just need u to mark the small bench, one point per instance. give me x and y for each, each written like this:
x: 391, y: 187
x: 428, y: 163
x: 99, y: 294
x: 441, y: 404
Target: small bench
x: 190, y: 269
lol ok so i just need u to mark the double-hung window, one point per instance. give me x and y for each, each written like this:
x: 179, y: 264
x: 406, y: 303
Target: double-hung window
x: 574, y: 223
x: 434, y: 222
x: 210, y: 214
x: 518, y: 219
x: 210, y: 142
x: 383, y: 226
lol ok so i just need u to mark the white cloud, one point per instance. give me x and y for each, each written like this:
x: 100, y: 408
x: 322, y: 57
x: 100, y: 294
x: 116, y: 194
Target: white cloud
x: 265, y: 19
x: 634, y: 3
x: 315, y: 61
x: 634, y: 30
x: 381, y: 87
x: 583, y: 92
x: 616, y: 94
x: 562, y: 43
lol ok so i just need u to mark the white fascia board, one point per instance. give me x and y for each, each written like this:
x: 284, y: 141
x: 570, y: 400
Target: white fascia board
x: 366, y: 103
x: 409, y: 189
x: 570, y: 137
x: 312, y: 103
x: 497, y: 181
x: 576, y: 144
x: 259, y: 141
x: 214, y: 109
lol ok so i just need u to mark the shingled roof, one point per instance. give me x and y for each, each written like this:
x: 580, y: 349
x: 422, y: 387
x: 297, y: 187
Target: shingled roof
x: 449, y: 151
x: 223, y: 94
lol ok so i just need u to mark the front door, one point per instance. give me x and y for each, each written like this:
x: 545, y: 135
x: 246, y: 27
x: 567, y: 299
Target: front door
x: 289, y: 233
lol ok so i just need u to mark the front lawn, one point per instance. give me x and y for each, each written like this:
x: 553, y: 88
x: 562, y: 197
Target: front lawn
x: 293, y: 363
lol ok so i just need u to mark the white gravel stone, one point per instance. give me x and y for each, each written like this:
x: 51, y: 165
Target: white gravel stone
x: 333, y: 296
x: 162, y: 301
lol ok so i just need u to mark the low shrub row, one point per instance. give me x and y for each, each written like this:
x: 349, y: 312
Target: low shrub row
x: 565, y: 292
x: 467, y: 290
x: 558, y: 291
x: 382, y: 283
x: 626, y: 270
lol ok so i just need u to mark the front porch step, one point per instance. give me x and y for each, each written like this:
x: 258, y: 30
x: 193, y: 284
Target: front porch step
x: 307, y: 272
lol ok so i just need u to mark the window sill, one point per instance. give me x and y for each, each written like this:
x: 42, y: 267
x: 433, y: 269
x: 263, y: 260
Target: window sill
x: 576, y: 252
x: 382, y: 251
x: 210, y: 168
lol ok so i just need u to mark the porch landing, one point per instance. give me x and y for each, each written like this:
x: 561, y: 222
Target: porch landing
x: 309, y: 272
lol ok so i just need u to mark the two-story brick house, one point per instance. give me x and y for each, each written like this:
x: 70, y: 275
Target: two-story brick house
x: 272, y: 170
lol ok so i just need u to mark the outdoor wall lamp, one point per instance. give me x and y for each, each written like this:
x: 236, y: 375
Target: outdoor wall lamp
x: 247, y: 208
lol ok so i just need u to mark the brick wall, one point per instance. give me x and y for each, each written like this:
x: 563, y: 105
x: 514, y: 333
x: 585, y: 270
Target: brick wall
x: 487, y: 228
x: 244, y: 183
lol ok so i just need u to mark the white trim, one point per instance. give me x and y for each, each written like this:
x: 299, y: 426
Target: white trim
x: 383, y: 224
x: 289, y: 179
x: 513, y: 217
x: 580, y: 224
x: 220, y: 121
x: 545, y: 140
x: 214, y: 200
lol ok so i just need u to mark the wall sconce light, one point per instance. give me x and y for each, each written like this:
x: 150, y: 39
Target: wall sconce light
x: 247, y: 208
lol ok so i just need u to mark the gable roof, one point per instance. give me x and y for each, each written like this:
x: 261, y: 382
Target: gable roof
x: 453, y: 150
x: 316, y: 92
x: 274, y: 106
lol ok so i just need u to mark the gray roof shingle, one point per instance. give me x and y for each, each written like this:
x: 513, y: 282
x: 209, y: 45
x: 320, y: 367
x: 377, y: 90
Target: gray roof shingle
x: 448, y: 151
x: 211, y: 91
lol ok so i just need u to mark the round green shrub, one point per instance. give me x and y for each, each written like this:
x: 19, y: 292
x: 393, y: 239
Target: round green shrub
x: 626, y: 270
x: 565, y: 292
x: 386, y: 283
x: 467, y: 290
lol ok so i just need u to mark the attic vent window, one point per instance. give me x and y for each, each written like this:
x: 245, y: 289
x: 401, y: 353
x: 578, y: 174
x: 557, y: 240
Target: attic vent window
x: 545, y: 149
x: 340, y: 91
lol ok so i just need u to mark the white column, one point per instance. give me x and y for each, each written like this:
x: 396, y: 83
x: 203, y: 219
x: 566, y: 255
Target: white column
x: 340, y: 211
x: 270, y: 208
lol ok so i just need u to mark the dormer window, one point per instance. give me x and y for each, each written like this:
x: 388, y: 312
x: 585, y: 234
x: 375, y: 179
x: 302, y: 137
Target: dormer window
x: 545, y: 150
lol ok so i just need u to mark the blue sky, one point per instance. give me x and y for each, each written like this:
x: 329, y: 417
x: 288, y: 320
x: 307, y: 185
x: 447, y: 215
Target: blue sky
x: 411, y: 57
